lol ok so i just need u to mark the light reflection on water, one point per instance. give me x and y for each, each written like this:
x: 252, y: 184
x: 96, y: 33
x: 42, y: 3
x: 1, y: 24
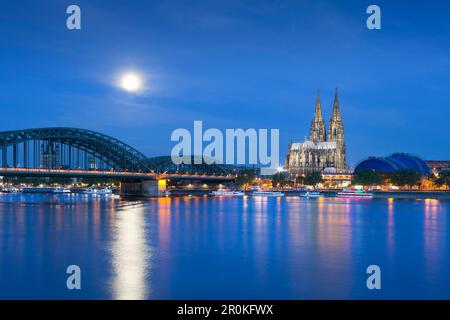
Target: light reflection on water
x: 434, y: 241
x: 130, y: 255
x: 197, y: 247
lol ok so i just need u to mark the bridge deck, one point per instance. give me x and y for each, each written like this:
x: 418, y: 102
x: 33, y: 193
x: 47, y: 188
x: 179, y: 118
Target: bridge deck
x: 25, y: 172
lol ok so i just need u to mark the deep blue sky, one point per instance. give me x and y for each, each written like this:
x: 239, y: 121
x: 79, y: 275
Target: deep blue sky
x: 249, y: 64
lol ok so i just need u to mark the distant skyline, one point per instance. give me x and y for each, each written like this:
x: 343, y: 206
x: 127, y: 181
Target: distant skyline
x: 231, y: 64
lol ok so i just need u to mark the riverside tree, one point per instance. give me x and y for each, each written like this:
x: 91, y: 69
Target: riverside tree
x: 313, y: 179
x: 443, y: 179
x: 367, y: 178
x: 408, y: 178
x: 245, y: 176
x: 280, y: 179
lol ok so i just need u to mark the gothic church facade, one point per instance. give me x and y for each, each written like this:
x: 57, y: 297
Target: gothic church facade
x: 324, y: 150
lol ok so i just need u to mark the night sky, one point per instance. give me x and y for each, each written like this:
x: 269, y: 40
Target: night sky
x: 232, y: 64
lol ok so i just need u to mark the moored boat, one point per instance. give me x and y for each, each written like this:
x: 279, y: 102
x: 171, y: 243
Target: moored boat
x: 61, y: 190
x: 354, y: 194
x: 312, y: 194
x: 10, y: 189
x: 43, y: 189
x: 227, y: 193
x: 267, y: 194
x: 98, y: 191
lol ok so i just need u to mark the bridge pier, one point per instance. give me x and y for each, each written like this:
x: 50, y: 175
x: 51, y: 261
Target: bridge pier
x: 143, y: 188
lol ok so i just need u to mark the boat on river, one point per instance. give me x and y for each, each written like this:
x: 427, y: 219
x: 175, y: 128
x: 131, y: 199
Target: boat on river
x: 354, y: 194
x: 61, y: 190
x: 267, y: 194
x: 98, y: 191
x: 42, y: 189
x: 227, y: 193
x: 311, y: 194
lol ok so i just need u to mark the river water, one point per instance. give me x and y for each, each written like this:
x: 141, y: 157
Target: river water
x: 223, y: 248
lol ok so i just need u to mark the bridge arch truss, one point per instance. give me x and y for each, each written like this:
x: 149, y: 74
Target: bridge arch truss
x: 24, y: 148
x: 116, y: 154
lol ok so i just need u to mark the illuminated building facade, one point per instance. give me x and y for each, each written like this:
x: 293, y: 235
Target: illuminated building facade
x: 324, y: 151
x: 437, y: 166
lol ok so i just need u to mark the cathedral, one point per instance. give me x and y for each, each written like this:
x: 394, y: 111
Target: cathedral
x: 324, y: 151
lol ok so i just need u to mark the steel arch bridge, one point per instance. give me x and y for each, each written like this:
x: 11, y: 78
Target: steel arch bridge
x: 165, y: 165
x: 39, y: 145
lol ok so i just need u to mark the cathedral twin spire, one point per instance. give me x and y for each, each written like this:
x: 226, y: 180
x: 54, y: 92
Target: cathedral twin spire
x: 318, y: 131
x: 335, y: 131
x: 336, y: 126
x: 336, y: 112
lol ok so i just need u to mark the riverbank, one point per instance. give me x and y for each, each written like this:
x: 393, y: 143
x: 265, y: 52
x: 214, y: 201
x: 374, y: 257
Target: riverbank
x: 413, y: 194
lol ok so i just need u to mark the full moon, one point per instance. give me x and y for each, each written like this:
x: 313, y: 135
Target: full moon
x: 131, y: 82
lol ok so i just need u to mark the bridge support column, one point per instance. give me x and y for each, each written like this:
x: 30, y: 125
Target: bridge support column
x: 15, y: 155
x: 143, y: 188
x: 153, y: 188
x: 4, y: 156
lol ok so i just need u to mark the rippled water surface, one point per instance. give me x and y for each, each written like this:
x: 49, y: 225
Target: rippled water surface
x: 208, y: 248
